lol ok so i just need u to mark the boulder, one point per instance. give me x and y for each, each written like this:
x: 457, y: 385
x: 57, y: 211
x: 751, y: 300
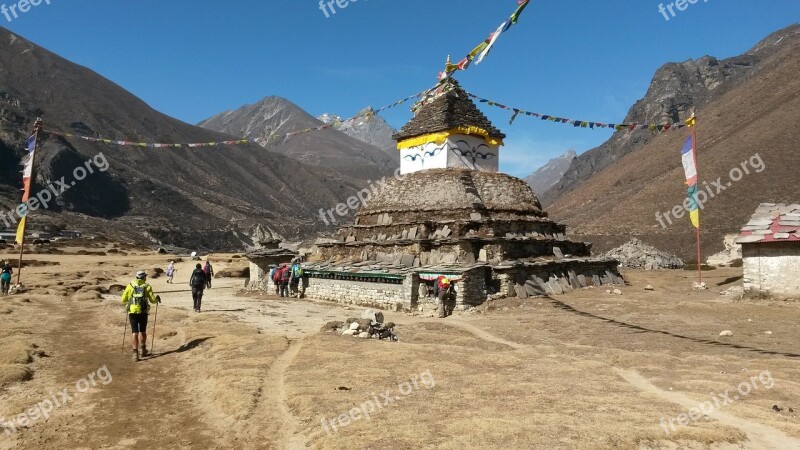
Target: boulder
x: 638, y: 255
x: 373, y: 315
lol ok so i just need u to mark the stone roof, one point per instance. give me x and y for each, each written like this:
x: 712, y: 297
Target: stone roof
x: 772, y: 223
x: 452, y: 189
x: 450, y: 110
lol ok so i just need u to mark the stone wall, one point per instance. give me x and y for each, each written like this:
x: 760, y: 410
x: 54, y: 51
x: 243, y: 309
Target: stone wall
x: 396, y: 297
x: 772, y: 270
x: 556, y: 278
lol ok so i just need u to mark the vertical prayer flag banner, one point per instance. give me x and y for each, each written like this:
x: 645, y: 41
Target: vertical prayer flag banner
x: 27, y: 176
x: 694, y: 207
x: 688, y: 157
x: 21, y: 230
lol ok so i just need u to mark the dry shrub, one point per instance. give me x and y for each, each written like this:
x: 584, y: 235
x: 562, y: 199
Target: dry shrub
x: 15, y: 352
x: 87, y: 296
x: 14, y: 373
x: 234, y: 272
x: 116, y: 289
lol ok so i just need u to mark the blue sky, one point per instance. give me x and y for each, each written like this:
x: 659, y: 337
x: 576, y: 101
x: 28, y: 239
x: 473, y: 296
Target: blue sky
x: 587, y: 60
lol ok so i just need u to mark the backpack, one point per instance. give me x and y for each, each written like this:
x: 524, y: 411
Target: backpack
x: 276, y: 276
x: 138, y: 303
x: 285, y: 274
x: 297, y: 271
x: 198, y: 279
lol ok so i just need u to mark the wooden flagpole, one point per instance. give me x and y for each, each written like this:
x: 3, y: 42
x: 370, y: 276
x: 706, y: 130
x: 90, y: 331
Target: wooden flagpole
x: 36, y: 127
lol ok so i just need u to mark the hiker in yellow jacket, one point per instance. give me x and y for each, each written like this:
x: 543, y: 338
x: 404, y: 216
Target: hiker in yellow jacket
x: 136, y: 298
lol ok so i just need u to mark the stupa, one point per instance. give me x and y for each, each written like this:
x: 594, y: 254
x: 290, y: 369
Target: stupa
x: 451, y: 212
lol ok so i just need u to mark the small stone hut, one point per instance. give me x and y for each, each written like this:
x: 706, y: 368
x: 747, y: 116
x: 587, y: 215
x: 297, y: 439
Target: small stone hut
x: 771, y: 252
x: 451, y: 213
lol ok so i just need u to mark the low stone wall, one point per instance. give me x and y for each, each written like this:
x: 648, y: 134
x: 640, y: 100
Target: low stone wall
x: 557, y: 278
x: 396, y: 297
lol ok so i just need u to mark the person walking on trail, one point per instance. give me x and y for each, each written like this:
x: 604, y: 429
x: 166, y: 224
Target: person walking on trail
x: 272, y: 271
x: 198, y: 285
x: 297, y: 276
x: 5, y: 278
x: 209, y: 271
x: 170, y: 272
x: 445, y: 287
x: 285, y: 277
x: 137, y: 299
x: 276, y: 278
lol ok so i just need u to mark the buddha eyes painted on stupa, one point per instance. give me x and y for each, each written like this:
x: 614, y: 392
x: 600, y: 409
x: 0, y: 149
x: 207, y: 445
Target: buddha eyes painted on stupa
x: 466, y: 150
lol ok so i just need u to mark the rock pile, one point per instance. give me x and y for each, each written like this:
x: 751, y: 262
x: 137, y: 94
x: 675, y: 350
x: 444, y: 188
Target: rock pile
x: 370, y: 326
x: 638, y: 255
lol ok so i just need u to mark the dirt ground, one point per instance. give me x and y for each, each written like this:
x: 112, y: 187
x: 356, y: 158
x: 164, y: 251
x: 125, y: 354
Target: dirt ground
x: 584, y: 370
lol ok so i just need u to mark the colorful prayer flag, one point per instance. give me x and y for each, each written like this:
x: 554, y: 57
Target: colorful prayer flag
x: 688, y: 157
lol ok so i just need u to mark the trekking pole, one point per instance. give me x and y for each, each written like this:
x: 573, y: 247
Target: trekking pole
x: 155, y: 321
x: 125, y: 330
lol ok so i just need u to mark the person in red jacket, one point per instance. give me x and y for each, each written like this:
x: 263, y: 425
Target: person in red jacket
x: 445, y: 289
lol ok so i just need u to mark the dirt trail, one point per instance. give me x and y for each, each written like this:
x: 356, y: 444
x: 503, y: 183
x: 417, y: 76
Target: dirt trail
x: 275, y: 383
x: 478, y: 332
x: 760, y: 436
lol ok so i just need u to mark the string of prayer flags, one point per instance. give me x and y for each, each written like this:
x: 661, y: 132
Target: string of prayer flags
x: 482, y: 50
x: 262, y: 141
x: 580, y: 123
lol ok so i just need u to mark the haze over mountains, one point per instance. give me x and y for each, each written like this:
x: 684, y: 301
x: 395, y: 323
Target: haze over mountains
x: 551, y: 173
x: 210, y: 197
x: 746, y: 105
x: 328, y: 149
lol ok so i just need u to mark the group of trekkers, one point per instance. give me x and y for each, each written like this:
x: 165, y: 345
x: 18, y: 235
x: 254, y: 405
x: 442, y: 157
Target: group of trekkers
x: 288, y: 279
x: 5, y: 278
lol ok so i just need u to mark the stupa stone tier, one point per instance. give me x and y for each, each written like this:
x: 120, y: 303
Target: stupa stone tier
x: 453, y: 216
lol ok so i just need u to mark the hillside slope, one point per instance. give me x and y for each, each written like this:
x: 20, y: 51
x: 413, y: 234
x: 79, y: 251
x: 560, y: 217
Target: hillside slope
x: 189, y: 197
x: 756, y: 117
x: 676, y: 90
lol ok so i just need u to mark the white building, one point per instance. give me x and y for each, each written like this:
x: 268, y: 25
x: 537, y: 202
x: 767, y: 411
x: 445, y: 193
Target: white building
x: 771, y: 252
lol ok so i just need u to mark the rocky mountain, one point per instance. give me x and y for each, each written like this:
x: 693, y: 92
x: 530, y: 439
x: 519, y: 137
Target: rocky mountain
x: 212, y: 197
x: 747, y: 109
x: 368, y: 128
x: 551, y: 173
x: 330, y: 148
x: 676, y: 89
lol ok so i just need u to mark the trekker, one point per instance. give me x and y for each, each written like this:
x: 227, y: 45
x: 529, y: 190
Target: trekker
x: 272, y: 274
x: 136, y: 298
x: 286, y: 276
x: 209, y: 271
x: 198, y: 283
x: 297, y: 275
x: 170, y: 272
x: 445, y: 287
x: 276, y: 279
x: 5, y: 278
